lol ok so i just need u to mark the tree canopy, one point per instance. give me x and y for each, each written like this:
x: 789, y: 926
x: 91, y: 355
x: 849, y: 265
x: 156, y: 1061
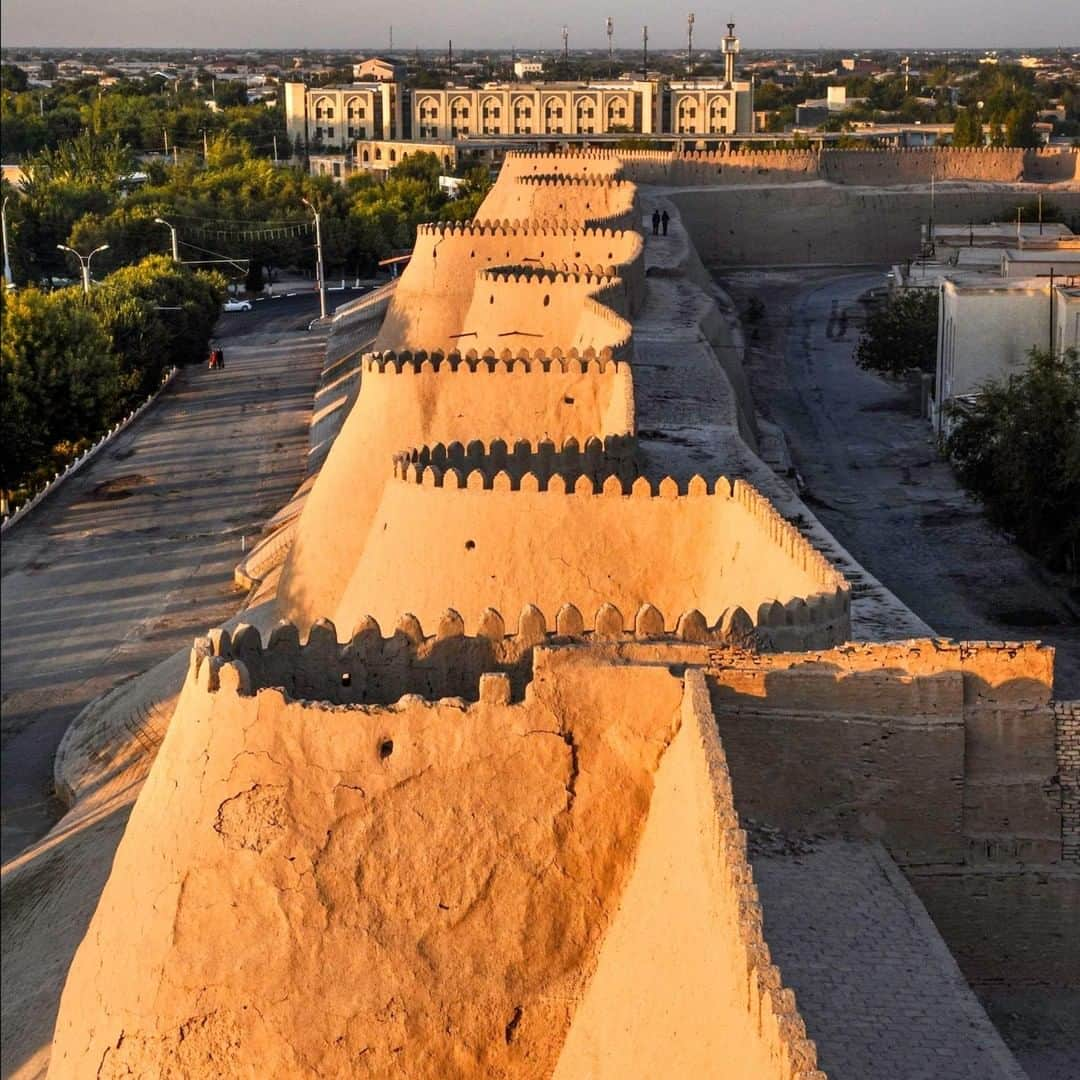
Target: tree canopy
x: 901, y: 334
x: 1018, y: 448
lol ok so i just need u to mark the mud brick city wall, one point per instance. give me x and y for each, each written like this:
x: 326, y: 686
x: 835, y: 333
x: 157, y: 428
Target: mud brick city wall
x: 1067, y: 718
x: 840, y: 743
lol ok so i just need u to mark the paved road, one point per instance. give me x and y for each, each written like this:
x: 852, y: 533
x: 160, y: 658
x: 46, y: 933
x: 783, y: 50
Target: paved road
x: 134, y: 556
x: 875, y: 479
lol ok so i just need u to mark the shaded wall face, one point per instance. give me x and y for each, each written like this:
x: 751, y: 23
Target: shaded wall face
x: 789, y: 226
x: 861, y: 741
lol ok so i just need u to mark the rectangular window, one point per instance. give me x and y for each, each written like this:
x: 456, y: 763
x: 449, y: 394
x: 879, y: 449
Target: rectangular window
x: 337, y: 168
x: 330, y: 114
x: 330, y: 133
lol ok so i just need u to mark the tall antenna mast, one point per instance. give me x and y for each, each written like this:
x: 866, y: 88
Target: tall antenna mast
x: 645, y: 52
x: 690, y: 45
x: 391, y: 38
x: 610, y: 53
x: 566, y: 45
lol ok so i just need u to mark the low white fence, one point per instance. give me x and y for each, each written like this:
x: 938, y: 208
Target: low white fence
x: 86, y: 455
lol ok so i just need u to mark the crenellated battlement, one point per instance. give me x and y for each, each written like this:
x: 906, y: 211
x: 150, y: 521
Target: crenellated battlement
x: 522, y: 361
x: 526, y: 228
x: 599, y: 276
x: 447, y: 660
x: 497, y: 466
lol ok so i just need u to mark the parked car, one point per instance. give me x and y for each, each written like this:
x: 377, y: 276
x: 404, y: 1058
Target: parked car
x: 237, y: 305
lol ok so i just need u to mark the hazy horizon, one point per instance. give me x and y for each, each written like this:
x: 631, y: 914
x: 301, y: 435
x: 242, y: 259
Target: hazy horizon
x: 427, y: 24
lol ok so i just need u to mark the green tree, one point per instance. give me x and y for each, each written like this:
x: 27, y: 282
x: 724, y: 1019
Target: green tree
x: 59, y: 379
x: 1018, y: 448
x: 157, y: 315
x: 968, y: 129
x: 901, y: 334
x: 12, y: 78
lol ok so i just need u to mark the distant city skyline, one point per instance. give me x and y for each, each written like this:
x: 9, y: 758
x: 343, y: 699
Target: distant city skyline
x: 497, y: 24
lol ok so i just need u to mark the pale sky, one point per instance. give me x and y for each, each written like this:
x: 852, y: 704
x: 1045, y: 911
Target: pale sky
x: 528, y: 24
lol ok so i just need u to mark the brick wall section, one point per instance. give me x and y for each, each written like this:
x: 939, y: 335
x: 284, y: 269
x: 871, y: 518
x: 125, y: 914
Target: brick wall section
x: 1067, y: 741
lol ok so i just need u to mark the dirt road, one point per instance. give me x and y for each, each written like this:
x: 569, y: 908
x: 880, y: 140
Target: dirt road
x: 873, y: 475
x: 134, y: 556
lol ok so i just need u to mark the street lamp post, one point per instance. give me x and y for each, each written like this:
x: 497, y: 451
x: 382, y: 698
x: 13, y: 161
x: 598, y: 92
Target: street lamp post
x: 318, y: 260
x: 84, y: 262
x: 8, y: 279
x: 172, y: 233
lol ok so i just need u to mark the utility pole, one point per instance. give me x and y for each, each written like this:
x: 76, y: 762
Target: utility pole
x: 1040, y: 213
x: 320, y: 277
x: 172, y: 232
x: 275, y: 150
x: 1019, y: 215
x: 175, y: 154
x: 9, y: 281
x: 610, y: 52
x: 205, y: 149
x: 645, y: 52
x: 84, y: 262
x: 690, y: 45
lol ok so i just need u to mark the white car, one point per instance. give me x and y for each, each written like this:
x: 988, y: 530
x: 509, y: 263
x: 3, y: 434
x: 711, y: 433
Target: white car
x: 237, y: 305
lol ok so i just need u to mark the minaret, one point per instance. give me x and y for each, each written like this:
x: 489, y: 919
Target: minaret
x: 730, y: 49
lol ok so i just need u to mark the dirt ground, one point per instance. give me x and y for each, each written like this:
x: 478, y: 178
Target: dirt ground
x: 869, y: 468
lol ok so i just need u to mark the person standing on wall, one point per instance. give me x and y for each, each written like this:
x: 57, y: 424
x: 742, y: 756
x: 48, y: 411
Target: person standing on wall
x: 664, y: 219
x: 656, y: 223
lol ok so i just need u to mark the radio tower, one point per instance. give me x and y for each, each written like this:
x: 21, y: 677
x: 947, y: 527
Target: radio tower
x: 690, y: 45
x: 610, y: 53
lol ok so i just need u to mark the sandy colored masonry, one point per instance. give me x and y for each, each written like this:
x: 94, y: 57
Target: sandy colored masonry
x: 477, y: 805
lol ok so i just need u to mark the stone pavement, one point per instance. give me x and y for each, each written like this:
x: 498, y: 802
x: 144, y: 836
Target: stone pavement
x: 879, y: 990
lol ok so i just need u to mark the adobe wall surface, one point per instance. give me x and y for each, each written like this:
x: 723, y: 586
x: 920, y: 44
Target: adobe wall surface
x: 862, y: 739
x: 509, y: 547
x: 595, y: 202
x: 889, y: 167
x: 404, y: 401
x: 434, y: 296
x: 661, y: 1002
x: 1007, y: 926
x: 827, y: 224
x: 302, y: 856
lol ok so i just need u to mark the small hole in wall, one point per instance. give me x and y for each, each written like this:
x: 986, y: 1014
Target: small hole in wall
x: 491, y: 299
x: 469, y: 545
x: 568, y: 400
x: 547, y: 300
x: 386, y: 748
x: 346, y: 678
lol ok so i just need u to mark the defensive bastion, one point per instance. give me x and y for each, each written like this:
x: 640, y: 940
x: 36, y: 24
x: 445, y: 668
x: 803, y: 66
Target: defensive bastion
x: 497, y: 825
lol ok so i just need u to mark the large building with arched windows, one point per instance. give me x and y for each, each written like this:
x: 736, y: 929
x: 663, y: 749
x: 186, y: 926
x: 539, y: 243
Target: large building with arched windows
x: 341, y: 118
